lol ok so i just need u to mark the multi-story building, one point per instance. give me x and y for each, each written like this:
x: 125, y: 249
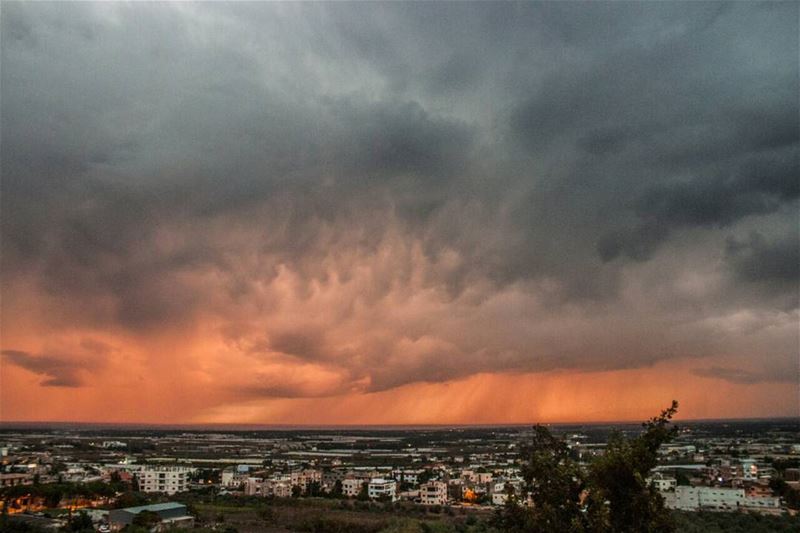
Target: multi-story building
x: 351, y: 486
x: 433, y: 493
x: 234, y: 477
x: 278, y: 486
x: 166, y: 479
x: 303, y: 478
x: 255, y: 486
x: 380, y: 488
x: 407, y: 476
x: 501, y: 489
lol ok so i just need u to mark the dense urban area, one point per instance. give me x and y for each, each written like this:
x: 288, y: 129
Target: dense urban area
x: 713, y: 476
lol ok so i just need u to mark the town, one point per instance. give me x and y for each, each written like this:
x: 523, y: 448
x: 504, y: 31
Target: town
x: 52, y: 474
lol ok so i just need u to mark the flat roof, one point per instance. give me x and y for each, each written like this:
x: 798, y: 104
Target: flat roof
x: 154, y: 507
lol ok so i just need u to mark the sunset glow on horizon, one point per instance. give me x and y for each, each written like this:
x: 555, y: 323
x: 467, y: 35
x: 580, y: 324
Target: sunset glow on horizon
x: 397, y: 213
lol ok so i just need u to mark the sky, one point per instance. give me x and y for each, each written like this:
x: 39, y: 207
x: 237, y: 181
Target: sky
x: 398, y: 213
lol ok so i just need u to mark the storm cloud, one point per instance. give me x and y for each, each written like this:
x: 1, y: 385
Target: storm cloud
x: 341, y: 198
x: 66, y: 370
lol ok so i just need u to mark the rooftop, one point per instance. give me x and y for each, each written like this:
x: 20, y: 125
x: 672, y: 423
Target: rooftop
x: 155, y: 507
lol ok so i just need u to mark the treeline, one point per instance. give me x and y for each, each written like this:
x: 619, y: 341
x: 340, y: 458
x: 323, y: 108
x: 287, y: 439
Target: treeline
x: 53, y: 493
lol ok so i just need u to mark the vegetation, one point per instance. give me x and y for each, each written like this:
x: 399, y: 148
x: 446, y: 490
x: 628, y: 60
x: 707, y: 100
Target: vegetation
x: 81, y: 522
x: 52, y: 493
x: 611, y: 495
x: 790, y: 496
x: 708, y: 522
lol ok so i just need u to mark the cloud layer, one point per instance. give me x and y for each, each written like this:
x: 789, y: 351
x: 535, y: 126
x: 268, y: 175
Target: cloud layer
x: 305, y: 200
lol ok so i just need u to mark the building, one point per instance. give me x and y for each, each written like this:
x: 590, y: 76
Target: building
x: 501, y: 489
x: 234, y: 477
x: 663, y: 483
x: 382, y: 489
x: 482, y: 477
x: 408, y: 476
x: 687, y: 498
x: 10, y: 480
x: 303, y: 478
x: 280, y: 489
x: 255, y: 486
x: 171, y: 514
x: 352, y: 486
x: 748, y: 469
x: 166, y: 479
x: 433, y: 493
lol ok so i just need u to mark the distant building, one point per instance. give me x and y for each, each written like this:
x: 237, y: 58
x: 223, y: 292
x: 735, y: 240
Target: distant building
x: 380, y: 488
x: 501, y: 489
x: 280, y: 489
x: 255, y: 486
x: 303, y: 478
x: 166, y: 479
x: 663, y: 483
x: 433, y: 493
x: 352, y: 486
x: 9, y: 480
x: 171, y: 514
x: 687, y: 498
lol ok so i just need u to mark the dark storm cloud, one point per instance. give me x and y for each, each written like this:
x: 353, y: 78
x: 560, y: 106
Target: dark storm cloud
x: 761, y: 185
x: 758, y: 260
x: 307, y: 345
x: 743, y: 377
x: 58, y: 371
x: 163, y: 162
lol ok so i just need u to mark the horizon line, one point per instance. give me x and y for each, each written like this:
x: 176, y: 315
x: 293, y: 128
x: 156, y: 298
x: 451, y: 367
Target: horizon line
x: 234, y: 426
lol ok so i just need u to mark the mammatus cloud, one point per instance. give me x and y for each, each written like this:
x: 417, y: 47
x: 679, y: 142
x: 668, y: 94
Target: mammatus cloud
x: 299, y: 201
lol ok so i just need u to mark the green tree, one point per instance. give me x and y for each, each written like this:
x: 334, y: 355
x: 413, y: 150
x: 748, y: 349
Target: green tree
x: 336, y: 492
x: 554, y: 481
x: 611, y: 495
x: 618, y: 479
x: 313, y: 489
x: 80, y: 522
x: 363, y: 493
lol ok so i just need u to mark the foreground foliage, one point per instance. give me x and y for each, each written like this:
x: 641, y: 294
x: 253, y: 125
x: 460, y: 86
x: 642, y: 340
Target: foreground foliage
x: 611, y: 495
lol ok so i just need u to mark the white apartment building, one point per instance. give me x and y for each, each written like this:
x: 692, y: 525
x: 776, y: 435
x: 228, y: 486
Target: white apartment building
x: 408, y: 476
x: 663, y: 483
x: 382, y: 488
x: 352, y: 486
x: 166, y: 479
x: 499, y: 495
x: 500, y: 492
x: 433, y: 493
